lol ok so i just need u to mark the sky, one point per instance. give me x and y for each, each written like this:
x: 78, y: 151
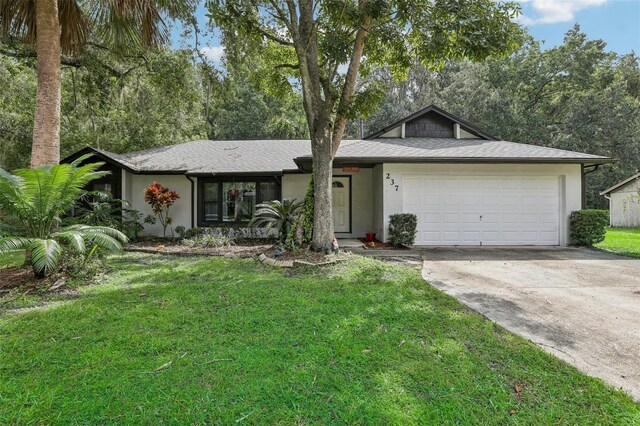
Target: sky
x: 617, y: 22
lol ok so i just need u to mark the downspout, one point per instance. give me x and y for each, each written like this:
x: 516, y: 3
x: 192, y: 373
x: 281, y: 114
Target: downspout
x: 193, y: 185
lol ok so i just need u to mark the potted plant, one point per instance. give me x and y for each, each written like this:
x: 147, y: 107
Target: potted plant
x: 370, y: 236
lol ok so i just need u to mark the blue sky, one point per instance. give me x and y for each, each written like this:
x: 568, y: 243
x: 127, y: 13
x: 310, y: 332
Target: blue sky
x: 617, y: 22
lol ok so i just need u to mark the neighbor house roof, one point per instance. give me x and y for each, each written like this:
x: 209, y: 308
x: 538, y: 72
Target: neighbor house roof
x: 621, y: 184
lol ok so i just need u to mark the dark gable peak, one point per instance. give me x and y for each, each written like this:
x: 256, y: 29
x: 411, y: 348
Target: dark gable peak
x: 431, y: 122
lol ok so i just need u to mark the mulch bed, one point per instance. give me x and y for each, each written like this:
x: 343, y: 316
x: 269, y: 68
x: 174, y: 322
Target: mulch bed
x: 173, y: 248
x: 288, y: 259
x: 16, y: 277
x: 379, y: 245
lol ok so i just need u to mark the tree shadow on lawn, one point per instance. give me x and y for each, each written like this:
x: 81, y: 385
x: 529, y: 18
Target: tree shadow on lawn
x: 362, y: 342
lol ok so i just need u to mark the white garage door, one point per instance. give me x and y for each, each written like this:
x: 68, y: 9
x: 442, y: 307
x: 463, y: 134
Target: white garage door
x: 484, y: 210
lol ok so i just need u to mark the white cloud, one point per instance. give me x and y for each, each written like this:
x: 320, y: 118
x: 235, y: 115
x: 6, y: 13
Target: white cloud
x: 554, y: 11
x: 213, y: 53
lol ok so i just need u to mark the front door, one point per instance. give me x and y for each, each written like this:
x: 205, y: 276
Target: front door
x: 341, y: 204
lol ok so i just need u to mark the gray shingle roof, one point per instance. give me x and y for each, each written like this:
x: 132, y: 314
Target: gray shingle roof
x: 450, y: 148
x: 249, y: 156
x: 274, y: 156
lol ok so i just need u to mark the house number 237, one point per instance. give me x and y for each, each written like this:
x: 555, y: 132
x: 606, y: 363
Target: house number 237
x: 392, y: 181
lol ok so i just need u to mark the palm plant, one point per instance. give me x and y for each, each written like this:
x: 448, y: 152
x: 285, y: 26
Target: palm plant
x: 55, y: 27
x: 32, y: 202
x: 280, y: 215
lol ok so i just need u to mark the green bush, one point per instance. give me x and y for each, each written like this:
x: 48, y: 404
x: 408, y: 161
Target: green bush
x: 587, y: 227
x: 402, y: 229
x: 208, y: 241
x: 181, y: 231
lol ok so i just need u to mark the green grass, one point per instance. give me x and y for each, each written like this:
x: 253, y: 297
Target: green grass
x: 364, y: 342
x: 623, y: 241
x: 12, y: 258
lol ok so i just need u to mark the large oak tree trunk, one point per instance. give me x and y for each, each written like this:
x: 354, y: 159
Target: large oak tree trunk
x: 46, y: 127
x: 322, y: 202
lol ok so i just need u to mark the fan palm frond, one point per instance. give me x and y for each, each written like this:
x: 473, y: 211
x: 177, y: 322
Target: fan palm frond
x: 276, y: 214
x: 45, y: 255
x: 14, y: 243
x: 73, y: 238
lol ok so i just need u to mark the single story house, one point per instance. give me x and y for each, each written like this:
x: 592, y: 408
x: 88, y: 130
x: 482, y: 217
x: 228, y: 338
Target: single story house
x: 465, y: 186
x: 624, y: 202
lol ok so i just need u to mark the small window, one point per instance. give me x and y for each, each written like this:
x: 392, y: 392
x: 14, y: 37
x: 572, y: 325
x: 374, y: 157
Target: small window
x: 268, y: 191
x: 337, y: 184
x: 210, y: 201
x: 102, y: 187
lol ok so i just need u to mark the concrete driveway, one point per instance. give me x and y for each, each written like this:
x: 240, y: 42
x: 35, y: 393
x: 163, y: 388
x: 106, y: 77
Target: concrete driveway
x: 583, y: 306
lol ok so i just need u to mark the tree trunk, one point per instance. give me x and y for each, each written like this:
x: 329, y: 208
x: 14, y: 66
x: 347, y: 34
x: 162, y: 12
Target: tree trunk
x: 322, y: 179
x: 46, y: 127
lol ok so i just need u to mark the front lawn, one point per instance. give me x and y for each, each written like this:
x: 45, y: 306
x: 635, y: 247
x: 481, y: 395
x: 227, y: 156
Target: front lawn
x: 221, y: 341
x: 624, y: 241
x: 12, y: 258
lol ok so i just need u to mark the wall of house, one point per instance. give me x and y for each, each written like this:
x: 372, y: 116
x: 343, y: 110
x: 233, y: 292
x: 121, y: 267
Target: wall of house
x: 133, y: 191
x: 569, y: 175
x: 295, y: 186
x: 625, y: 206
x: 377, y: 197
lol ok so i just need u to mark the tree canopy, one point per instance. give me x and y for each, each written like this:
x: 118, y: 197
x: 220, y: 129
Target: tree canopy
x: 304, y: 44
x: 577, y: 96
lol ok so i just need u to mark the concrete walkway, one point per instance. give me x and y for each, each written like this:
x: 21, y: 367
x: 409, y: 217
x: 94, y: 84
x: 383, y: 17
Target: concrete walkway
x: 582, y: 306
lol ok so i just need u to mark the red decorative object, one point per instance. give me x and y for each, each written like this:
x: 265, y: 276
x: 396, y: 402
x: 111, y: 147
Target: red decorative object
x: 371, y: 237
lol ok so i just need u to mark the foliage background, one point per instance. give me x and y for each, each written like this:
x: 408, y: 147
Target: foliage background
x: 577, y: 96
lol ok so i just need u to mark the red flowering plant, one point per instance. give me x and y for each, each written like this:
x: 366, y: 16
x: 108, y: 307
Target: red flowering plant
x: 161, y: 198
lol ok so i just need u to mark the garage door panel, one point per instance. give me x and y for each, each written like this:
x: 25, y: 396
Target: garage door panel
x: 484, y: 210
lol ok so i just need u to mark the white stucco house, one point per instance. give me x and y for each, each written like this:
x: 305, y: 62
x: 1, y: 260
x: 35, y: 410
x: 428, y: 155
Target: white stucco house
x: 624, y: 202
x: 465, y: 186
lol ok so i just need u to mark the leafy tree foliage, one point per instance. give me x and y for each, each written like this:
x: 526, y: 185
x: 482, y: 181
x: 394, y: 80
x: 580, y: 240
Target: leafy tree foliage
x: 49, y: 28
x: 303, y: 44
x: 136, y: 102
x: 577, y: 96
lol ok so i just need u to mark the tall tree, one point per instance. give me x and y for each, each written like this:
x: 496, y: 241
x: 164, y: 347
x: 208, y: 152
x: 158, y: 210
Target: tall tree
x: 310, y: 41
x: 66, y: 26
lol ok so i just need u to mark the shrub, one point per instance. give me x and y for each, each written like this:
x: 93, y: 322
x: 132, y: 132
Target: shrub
x: 160, y: 198
x: 301, y: 231
x: 587, y: 227
x: 402, y: 229
x: 208, y: 241
x: 181, y: 231
x: 101, y: 209
x: 82, y: 268
x: 234, y: 232
x: 33, y: 201
x: 276, y: 214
